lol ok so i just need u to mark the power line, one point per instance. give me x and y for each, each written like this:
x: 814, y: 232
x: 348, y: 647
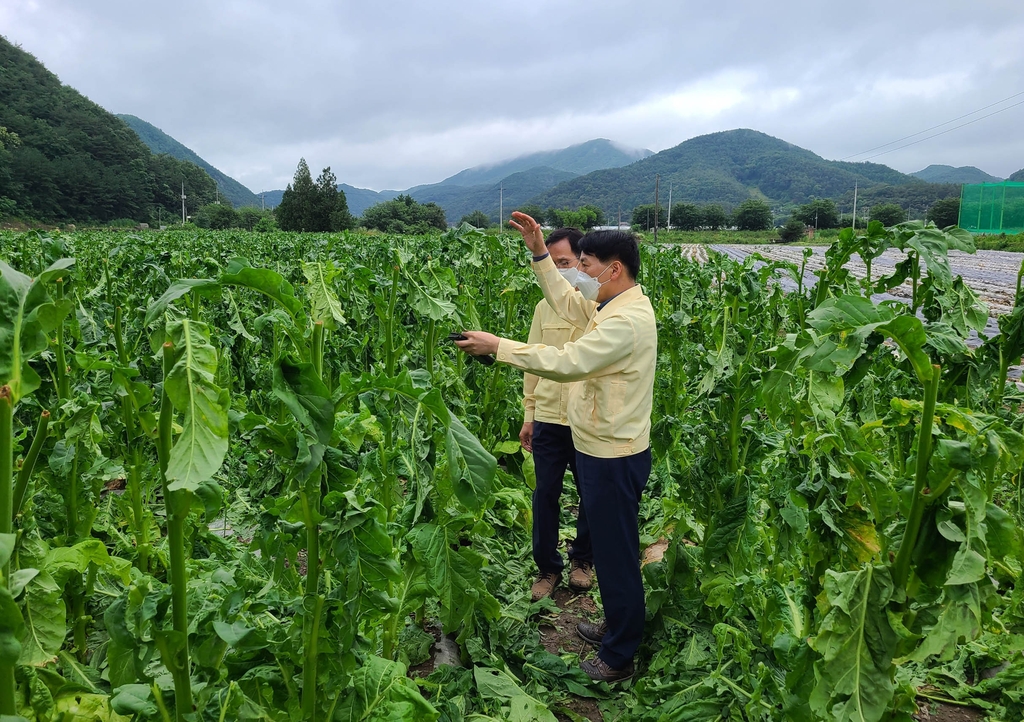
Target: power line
x: 948, y: 130
x: 934, y: 127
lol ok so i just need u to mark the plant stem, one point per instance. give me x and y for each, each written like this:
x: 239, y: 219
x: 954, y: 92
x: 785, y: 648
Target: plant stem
x: 21, y: 487
x: 389, y: 336
x: 429, y: 347
x: 63, y: 382
x: 7, y: 687
x: 71, y: 523
x: 130, y: 421
x: 177, y: 504
x: 924, y: 453
x: 312, y: 603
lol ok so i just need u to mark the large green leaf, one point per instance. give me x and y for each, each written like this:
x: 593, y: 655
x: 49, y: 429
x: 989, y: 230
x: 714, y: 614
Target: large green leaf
x: 306, y: 396
x: 470, y: 466
x: 267, y: 282
x: 175, y: 291
x: 495, y: 684
x: 26, y: 315
x: 959, y: 620
x: 324, y: 301
x: 856, y: 643
x: 860, y: 317
x: 453, y: 573
x: 380, y: 691
x: 962, y: 308
x: 44, y: 613
x: 200, y: 449
x: 12, y: 625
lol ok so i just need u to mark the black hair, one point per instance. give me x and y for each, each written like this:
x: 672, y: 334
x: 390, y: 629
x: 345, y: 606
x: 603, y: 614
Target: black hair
x: 573, y: 235
x: 609, y: 246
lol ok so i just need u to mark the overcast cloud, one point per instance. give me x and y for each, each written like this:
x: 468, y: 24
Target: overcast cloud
x: 398, y: 93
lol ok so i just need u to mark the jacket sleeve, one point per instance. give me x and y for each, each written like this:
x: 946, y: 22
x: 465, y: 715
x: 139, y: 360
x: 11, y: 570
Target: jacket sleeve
x: 565, y: 300
x: 530, y: 380
x: 586, y: 357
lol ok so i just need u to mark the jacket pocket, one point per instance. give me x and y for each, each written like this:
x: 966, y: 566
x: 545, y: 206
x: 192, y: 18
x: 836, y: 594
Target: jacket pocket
x: 555, y: 333
x: 616, y: 397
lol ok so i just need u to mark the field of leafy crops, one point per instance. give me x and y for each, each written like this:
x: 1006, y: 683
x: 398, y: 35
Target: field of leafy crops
x: 242, y: 477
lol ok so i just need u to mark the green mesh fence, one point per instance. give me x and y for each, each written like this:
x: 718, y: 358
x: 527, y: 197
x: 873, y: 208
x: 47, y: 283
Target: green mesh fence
x: 992, y: 207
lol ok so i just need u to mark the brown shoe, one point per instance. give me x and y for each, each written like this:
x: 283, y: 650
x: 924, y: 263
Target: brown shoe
x: 599, y: 671
x: 579, y: 575
x: 545, y: 585
x: 592, y: 633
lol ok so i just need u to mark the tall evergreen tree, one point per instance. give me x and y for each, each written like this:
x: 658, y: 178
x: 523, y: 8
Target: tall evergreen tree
x: 295, y: 211
x: 313, y: 207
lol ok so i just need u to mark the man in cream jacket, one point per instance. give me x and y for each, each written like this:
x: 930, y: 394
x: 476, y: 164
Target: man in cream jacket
x: 547, y: 436
x: 609, y: 412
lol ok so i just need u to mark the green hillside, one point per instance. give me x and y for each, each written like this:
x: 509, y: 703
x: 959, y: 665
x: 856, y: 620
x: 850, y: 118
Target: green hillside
x: 577, y: 159
x: 1017, y: 177
x: 516, y: 189
x: 949, y: 174
x: 64, y: 158
x: 159, y: 142
x: 729, y: 167
x: 359, y: 199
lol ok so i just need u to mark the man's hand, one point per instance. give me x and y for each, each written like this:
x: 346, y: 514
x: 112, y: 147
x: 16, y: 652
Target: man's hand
x: 526, y: 436
x: 530, y: 230
x: 479, y: 343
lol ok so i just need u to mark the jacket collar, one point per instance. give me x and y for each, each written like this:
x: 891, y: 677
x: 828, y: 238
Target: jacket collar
x: 627, y: 296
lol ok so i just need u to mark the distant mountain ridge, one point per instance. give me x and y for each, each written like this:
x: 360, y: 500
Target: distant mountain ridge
x: 159, y: 142
x: 1017, y: 177
x: 728, y: 167
x: 480, y: 187
x: 578, y: 159
x: 949, y: 174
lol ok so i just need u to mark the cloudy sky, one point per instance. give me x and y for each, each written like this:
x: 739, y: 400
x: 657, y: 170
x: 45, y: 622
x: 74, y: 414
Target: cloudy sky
x: 398, y: 93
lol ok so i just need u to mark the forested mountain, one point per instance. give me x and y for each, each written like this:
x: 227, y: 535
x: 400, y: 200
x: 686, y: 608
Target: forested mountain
x: 359, y: 199
x: 62, y: 157
x: 1017, y: 177
x: 729, y: 167
x: 949, y: 174
x: 515, y: 189
x: 159, y: 142
x: 477, y: 188
x: 577, y: 159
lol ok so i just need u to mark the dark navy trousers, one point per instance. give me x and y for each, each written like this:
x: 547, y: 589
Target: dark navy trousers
x: 553, y: 452
x: 611, y: 490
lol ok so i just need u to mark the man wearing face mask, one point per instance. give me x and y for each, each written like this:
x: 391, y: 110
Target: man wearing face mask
x: 547, y: 436
x: 609, y: 412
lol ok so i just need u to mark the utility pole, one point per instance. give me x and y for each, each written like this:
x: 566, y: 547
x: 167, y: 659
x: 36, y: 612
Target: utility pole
x: 854, y: 206
x: 669, y: 206
x: 183, y: 203
x: 657, y: 208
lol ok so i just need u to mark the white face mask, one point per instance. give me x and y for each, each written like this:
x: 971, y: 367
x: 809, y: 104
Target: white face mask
x: 590, y: 286
x: 570, y: 274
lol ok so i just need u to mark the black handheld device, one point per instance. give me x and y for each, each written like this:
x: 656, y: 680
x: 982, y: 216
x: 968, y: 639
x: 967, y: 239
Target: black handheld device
x: 485, y: 360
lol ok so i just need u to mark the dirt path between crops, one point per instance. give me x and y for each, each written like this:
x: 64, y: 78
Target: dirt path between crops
x: 558, y: 635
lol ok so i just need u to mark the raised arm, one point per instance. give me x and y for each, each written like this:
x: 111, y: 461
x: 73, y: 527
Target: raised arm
x: 565, y: 300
